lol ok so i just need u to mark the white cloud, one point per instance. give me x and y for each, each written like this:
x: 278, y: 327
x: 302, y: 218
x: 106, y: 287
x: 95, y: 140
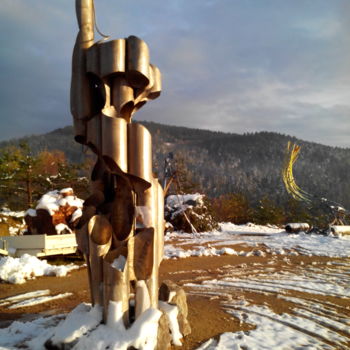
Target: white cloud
x: 320, y: 28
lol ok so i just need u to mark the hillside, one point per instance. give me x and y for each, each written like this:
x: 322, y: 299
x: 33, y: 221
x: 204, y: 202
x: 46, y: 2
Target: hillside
x: 224, y: 163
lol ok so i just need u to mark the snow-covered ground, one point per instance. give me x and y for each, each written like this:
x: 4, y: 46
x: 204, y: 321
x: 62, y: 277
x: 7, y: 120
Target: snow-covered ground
x: 316, y: 295
x: 261, y: 240
x: 318, y: 314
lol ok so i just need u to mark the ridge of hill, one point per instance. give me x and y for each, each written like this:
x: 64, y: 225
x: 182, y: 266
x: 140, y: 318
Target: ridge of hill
x: 222, y: 163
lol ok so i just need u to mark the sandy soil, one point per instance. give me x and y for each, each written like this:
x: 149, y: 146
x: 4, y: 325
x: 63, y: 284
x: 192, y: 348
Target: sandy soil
x: 206, y: 315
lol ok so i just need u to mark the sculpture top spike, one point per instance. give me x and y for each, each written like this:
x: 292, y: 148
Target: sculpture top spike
x: 86, y: 20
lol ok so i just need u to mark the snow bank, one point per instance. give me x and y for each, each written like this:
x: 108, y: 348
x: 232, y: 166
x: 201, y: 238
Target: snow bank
x: 18, y: 270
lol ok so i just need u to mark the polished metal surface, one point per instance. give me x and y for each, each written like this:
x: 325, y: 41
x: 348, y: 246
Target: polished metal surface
x: 80, y: 91
x: 114, y: 144
x: 123, y: 218
x: 116, y: 283
x: 138, y: 62
x: 100, y: 234
x: 122, y: 98
x: 139, y: 156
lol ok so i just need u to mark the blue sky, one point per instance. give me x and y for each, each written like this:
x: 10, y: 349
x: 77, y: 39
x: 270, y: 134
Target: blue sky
x: 229, y: 65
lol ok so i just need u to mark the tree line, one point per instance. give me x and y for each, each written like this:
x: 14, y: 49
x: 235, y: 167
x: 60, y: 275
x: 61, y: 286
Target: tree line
x: 224, y: 164
x: 25, y: 176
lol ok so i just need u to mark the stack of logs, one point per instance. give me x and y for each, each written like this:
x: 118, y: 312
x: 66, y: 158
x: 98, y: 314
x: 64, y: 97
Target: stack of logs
x: 45, y: 220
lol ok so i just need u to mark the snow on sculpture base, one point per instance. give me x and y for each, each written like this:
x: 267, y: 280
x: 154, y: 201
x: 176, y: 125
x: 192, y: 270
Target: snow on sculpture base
x: 82, y: 329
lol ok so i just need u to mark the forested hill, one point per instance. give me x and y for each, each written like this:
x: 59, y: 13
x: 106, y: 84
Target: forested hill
x: 230, y: 163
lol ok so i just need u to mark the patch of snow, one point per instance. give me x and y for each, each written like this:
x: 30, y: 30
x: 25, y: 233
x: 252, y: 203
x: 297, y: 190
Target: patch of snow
x: 115, y: 315
x: 171, y: 252
x: 19, y: 297
x: 30, y: 212
x: 30, y: 335
x: 181, y: 199
x: 7, y: 212
x: 76, y: 215
x: 81, y: 320
x: 72, y: 201
x: 226, y: 251
x: 82, y: 330
x: 284, y: 331
x: 38, y: 300
x: 66, y: 190
x: 281, y: 283
x: 172, y: 311
x: 18, y: 270
x: 13, y: 231
x: 51, y: 201
x: 62, y: 228
x: 141, y: 335
x: 119, y: 263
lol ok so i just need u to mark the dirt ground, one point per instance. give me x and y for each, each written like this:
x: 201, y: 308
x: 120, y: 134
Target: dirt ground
x: 206, y: 315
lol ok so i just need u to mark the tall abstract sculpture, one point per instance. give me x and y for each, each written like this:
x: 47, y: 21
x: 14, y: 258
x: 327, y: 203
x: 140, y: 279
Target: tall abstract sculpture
x: 122, y: 227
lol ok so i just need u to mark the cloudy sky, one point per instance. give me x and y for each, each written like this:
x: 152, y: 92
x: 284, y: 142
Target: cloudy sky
x: 229, y: 65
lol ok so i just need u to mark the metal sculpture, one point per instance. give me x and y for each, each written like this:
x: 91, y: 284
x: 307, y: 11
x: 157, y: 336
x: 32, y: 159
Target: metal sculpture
x: 122, y: 227
x: 291, y: 186
x: 337, y: 225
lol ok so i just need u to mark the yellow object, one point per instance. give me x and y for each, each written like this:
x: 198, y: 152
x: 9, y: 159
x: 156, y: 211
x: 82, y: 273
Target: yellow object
x: 287, y: 174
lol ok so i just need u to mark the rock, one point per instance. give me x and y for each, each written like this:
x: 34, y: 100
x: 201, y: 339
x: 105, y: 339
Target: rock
x: 175, y: 295
x: 164, y: 337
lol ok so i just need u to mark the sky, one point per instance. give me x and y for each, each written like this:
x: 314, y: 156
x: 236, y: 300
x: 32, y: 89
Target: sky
x: 227, y: 65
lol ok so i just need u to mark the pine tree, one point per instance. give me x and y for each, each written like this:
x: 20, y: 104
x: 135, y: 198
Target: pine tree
x: 233, y: 208
x: 24, y: 178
